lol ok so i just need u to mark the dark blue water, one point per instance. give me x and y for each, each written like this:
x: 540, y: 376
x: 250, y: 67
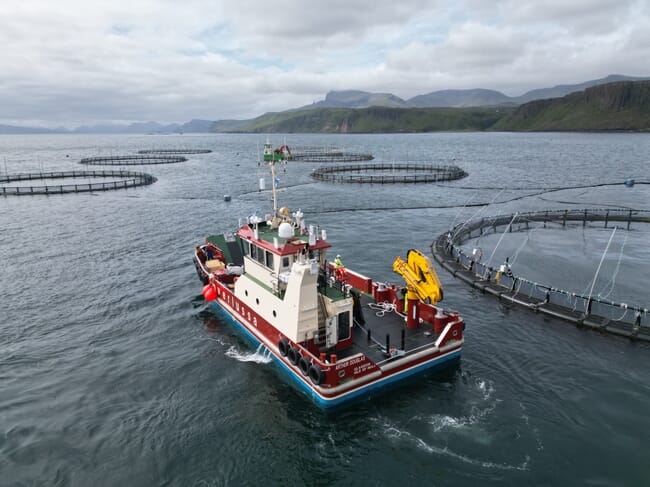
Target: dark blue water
x: 113, y: 371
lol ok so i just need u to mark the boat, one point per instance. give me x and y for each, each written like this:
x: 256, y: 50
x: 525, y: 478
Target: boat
x: 338, y: 335
x: 282, y: 153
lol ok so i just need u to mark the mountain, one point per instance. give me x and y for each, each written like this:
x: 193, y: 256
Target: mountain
x: 455, y: 98
x: 373, y: 120
x: 14, y: 130
x: 353, y: 99
x: 623, y: 105
x: 195, y: 126
x: 562, y: 90
x: 356, y: 99
x: 482, y: 97
x: 134, y: 128
x: 228, y: 125
x: 460, y: 98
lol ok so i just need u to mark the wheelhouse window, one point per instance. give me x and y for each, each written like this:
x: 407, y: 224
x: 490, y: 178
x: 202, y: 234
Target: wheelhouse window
x: 260, y: 255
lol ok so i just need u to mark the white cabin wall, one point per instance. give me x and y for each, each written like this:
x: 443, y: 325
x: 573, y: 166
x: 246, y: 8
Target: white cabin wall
x: 296, y: 316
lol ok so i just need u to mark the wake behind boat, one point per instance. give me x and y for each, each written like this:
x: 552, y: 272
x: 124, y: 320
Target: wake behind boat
x: 337, y: 334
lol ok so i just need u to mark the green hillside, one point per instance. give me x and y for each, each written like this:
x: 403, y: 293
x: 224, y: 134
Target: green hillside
x: 622, y: 105
x: 373, y: 120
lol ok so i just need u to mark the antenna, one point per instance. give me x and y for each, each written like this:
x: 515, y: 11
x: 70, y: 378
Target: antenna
x: 273, y: 186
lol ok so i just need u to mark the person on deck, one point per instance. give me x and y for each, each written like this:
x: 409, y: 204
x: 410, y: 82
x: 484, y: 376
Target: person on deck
x: 339, y: 269
x: 209, y: 253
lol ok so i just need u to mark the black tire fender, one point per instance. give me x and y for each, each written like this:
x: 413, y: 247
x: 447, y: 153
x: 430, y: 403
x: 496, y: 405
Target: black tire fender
x: 316, y: 374
x: 293, y: 354
x: 283, y: 346
x: 303, y: 364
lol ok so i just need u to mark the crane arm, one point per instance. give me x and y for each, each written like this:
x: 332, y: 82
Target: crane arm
x: 420, y: 276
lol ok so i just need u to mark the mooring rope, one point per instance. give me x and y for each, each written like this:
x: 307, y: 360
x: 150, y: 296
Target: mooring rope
x: 460, y: 210
x: 612, y: 281
x: 528, y: 234
x: 383, y: 308
x: 482, y: 208
x: 501, y: 238
x: 601, y: 263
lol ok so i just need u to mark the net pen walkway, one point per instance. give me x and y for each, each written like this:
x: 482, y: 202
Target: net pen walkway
x: 617, y: 318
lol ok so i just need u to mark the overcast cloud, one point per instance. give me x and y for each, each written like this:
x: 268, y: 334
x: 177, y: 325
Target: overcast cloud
x: 72, y: 62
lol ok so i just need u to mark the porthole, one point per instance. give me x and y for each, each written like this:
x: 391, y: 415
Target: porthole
x: 257, y: 300
x: 246, y: 292
x: 274, y: 314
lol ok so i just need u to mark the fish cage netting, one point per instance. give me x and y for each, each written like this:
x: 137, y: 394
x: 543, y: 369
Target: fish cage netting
x: 134, y: 160
x: 327, y: 154
x: 175, y: 151
x: 332, y: 157
x: 388, y: 173
x: 583, y: 309
x: 129, y: 179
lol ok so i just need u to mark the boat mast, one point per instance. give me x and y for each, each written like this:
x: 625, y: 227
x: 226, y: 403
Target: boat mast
x: 269, y: 157
x: 274, y: 189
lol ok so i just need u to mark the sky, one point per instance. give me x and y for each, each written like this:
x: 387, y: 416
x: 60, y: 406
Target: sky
x: 74, y: 62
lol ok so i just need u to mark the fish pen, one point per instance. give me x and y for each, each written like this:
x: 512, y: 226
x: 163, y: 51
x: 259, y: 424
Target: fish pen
x: 129, y: 179
x: 378, y: 173
x: 584, y: 310
x: 175, y: 151
x: 327, y: 154
x: 136, y: 160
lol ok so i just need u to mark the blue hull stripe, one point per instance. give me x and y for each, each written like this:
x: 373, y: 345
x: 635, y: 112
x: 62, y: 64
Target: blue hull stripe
x: 348, y: 395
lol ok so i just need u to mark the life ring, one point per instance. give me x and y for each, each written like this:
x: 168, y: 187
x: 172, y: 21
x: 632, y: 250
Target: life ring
x: 316, y: 374
x: 283, y: 346
x: 303, y: 364
x: 294, y: 355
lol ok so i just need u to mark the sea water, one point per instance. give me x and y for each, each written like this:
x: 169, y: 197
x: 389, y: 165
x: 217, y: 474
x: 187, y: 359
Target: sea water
x: 114, y: 371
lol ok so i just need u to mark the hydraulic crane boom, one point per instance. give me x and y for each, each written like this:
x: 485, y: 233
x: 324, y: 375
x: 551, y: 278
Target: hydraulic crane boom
x: 421, y: 278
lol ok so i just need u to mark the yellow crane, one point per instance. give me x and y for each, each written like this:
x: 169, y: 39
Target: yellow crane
x: 421, y: 279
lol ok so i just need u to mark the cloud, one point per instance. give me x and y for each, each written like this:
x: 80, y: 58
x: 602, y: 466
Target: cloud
x: 72, y: 61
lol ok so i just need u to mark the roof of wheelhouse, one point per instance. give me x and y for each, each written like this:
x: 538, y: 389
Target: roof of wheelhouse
x: 287, y: 246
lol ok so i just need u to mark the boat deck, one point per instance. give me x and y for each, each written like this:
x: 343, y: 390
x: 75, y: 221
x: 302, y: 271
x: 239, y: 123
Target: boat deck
x: 380, y: 321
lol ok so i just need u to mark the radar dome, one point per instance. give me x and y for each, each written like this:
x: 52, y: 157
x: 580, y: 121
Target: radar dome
x: 285, y: 230
x: 284, y: 211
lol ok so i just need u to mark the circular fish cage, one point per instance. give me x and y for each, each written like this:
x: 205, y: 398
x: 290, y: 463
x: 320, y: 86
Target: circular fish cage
x: 586, y: 310
x: 136, y: 160
x: 388, y: 173
x: 175, y: 151
x: 331, y: 157
x: 128, y: 179
x: 327, y: 154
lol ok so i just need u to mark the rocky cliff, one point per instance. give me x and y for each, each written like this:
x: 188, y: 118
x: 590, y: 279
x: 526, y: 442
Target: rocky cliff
x: 623, y: 105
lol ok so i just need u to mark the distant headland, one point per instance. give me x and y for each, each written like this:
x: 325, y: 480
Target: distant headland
x: 613, y: 103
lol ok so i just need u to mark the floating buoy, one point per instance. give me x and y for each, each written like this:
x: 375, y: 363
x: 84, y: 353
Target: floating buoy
x: 209, y: 292
x: 629, y: 182
x: 226, y: 197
